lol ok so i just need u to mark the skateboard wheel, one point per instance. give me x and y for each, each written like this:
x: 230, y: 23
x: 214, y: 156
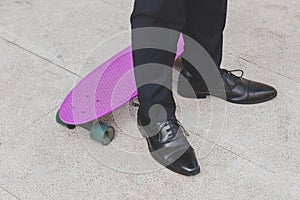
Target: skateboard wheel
x: 102, y: 133
x: 58, y: 120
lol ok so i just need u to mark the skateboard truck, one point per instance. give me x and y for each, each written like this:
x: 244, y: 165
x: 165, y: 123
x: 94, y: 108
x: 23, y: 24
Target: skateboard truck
x: 99, y: 132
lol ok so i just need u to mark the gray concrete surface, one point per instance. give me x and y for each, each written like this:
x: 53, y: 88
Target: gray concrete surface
x: 253, y: 154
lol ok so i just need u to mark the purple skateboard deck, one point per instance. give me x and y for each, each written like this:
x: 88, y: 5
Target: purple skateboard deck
x: 106, y: 88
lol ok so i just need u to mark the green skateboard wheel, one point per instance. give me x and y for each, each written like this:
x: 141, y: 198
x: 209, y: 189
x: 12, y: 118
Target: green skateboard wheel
x: 102, y: 133
x: 58, y: 120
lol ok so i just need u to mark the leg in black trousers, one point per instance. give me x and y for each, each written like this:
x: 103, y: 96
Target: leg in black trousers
x: 165, y: 135
x: 205, y: 22
x: 167, y: 14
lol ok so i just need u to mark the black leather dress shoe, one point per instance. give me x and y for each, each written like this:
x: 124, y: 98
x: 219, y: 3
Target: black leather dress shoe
x: 235, y: 89
x: 169, y: 147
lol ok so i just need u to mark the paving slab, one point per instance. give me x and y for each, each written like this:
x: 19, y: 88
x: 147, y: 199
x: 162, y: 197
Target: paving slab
x: 30, y: 87
x: 6, y: 195
x: 267, y: 133
x: 266, y: 33
x: 62, y: 168
x: 268, y: 36
x: 64, y: 32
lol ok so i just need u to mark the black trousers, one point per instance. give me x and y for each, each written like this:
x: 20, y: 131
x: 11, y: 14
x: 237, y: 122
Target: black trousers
x: 202, y: 20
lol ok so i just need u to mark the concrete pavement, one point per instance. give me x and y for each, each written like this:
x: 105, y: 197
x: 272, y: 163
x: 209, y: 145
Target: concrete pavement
x: 253, y: 155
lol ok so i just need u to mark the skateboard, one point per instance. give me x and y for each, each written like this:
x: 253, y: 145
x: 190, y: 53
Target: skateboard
x: 105, y: 89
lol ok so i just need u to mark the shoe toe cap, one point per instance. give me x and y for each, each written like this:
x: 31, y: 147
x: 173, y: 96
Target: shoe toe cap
x: 259, y: 92
x: 186, y: 164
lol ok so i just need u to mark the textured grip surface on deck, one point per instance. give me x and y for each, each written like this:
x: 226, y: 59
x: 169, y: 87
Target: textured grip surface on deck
x: 105, y: 89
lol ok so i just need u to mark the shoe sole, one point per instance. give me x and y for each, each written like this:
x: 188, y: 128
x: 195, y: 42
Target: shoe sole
x: 203, y: 95
x: 193, y: 173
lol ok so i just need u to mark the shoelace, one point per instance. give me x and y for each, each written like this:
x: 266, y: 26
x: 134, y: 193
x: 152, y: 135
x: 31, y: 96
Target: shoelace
x: 231, y: 72
x: 184, y: 130
x: 172, y: 124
